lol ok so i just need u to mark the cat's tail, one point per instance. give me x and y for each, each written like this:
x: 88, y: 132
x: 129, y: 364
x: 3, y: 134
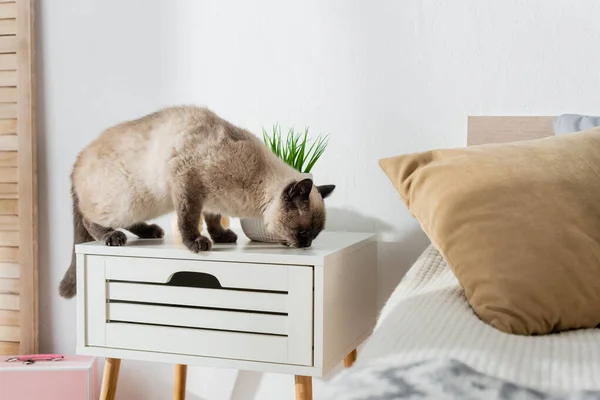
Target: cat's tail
x: 68, y: 285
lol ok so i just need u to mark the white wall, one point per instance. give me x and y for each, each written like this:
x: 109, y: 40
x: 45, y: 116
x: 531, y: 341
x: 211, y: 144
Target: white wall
x: 383, y: 77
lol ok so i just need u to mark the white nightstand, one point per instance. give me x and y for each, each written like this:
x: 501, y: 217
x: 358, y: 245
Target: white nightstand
x: 250, y: 306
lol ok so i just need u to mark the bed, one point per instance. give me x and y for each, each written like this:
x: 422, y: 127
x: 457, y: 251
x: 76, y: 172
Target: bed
x: 428, y: 343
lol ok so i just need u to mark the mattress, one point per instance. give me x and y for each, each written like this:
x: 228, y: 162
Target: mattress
x: 428, y: 318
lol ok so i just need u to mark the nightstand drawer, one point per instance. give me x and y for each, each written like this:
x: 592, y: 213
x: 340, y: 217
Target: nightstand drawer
x: 257, y: 312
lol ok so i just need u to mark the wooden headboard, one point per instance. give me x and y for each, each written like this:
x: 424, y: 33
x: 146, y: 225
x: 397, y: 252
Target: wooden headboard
x: 484, y: 130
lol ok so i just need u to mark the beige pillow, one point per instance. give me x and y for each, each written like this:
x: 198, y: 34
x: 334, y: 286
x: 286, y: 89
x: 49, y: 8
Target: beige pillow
x: 518, y: 223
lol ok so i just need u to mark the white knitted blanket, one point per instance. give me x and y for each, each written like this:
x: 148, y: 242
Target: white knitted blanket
x: 427, y: 317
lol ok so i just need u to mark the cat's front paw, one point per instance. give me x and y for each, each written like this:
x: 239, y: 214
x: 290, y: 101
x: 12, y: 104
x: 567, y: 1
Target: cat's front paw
x: 115, y: 238
x: 226, y: 236
x: 201, y: 243
x: 156, y: 232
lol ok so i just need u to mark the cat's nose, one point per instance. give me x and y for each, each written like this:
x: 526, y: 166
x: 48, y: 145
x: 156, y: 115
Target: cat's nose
x: 305, y: 243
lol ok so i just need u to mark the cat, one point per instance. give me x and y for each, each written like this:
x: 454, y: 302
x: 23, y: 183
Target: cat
x: 189, y: 160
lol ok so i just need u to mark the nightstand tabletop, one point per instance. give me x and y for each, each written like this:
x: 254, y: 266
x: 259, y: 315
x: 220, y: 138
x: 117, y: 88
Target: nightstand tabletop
x: 327, y: 244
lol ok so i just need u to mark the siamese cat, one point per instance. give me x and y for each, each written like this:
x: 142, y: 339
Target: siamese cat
x: 191, y: 161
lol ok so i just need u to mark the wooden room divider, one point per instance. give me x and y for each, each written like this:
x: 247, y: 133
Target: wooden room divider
x: 18, y: 183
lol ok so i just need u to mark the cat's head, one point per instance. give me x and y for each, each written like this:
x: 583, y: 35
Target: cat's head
x: 297, y: 214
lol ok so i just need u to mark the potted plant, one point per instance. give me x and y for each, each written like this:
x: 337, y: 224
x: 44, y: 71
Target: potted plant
x: 299, y: 152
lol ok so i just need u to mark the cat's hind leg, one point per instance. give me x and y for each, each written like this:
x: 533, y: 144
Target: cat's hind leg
x: 102, y: 234
x: 146, y: 231
x: 216, y: 231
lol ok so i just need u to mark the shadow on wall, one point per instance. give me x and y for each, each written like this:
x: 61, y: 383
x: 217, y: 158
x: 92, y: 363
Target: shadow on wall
x: 45, y: 335
x: 246, y: 385
x: 339, y: 219
x: 191, y: 396
x: 394, y: 257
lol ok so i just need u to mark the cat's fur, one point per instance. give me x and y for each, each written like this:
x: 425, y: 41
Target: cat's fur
x: 189, y: 160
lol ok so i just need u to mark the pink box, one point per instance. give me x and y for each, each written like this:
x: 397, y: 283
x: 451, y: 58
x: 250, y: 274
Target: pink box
x: 73, y: 378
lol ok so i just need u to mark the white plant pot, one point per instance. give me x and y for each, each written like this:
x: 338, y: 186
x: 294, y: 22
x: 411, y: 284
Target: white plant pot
x: 256, y: 230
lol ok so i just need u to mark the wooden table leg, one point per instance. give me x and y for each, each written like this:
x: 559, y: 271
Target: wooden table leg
x: 180, y: 378
x: 303, y: 387
x: 110, y: 378
x: 349, y: 359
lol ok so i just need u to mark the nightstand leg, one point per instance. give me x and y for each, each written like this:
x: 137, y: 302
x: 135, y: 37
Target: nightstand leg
x: 110, y: 378
x: 349, y: 359
x: 180, y: 378
x: 303, y: 387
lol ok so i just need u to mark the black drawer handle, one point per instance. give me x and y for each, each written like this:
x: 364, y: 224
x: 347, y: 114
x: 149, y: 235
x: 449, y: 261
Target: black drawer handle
x: 194, y: 279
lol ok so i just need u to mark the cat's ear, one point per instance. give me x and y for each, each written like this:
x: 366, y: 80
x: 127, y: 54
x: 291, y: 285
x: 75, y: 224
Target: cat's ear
x: 325, y: 190
x: 300, y: 190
